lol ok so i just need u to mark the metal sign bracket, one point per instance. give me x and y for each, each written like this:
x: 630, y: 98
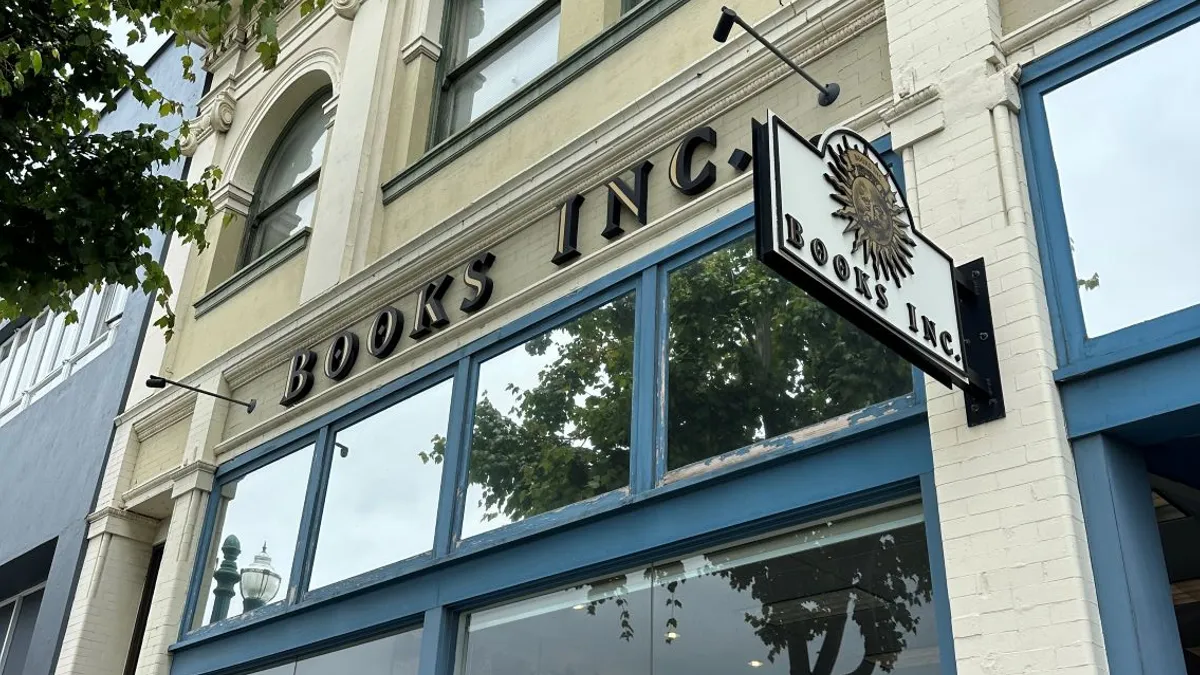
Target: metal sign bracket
x: 985, y: 395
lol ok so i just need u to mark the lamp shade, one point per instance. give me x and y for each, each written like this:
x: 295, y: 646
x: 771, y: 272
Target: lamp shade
x: 260, y: 582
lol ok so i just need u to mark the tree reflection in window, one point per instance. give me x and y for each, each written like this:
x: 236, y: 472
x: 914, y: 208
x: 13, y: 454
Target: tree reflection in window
x: 752, y: 357
x: 552, y: 420
x: 846, y: 598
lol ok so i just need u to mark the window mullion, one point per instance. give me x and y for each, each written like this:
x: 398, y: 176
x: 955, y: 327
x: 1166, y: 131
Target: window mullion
x: 438, y: 635
x: 310, y: 517
x: 643, y: 470
x: 454, y: 463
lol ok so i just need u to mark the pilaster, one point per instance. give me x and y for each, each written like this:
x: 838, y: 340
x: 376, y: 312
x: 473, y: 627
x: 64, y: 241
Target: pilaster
x: 1022, y: 595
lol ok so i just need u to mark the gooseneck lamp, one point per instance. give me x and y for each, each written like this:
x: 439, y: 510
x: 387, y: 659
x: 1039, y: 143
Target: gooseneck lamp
x: 156, y: 382
x: 829, y: 92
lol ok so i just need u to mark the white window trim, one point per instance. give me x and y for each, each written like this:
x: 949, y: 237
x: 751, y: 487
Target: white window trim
x: 78, y: 353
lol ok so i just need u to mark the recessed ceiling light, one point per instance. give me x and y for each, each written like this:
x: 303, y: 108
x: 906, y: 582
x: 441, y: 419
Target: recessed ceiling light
x: 672, y: 635
x: 756, y: 664
x: 579, y: 607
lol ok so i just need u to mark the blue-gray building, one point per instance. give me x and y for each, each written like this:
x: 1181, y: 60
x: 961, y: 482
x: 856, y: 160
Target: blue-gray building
x: 60, y: 388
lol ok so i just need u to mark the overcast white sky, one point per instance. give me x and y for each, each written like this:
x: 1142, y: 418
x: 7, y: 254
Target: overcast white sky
x: 1127, y: 166
x: 139, y: 52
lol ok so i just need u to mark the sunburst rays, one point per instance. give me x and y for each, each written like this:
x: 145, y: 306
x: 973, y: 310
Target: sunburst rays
x: 876, y: 218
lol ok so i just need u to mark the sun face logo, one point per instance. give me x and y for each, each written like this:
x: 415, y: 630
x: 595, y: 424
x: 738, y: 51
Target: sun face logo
x: 876, y: 217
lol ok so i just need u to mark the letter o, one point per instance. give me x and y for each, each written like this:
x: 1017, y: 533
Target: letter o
x: 820, y: 254
x: 840, y: 267
x: 386, y: 330
x: 340, y: 358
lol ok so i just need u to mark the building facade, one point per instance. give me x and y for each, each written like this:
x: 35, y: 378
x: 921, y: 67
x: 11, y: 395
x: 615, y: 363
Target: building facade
x: 61, y: 386
x: 523, y: 400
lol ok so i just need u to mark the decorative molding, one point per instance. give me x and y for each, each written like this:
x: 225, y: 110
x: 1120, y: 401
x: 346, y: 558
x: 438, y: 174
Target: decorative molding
x: 217, y: 116
x: 732, y: 73
x: 232, y: 199
x: 904, y: 123
x: 421, y: 46
x: 1043, y: 26
x: 329, y: 109
x: 347, y: 9
x: 171, y: 411
x: 122, y: 523
x: 193, y: 476
x: 905, y: 106
x: 253, y: 272
x: 1006, y: 88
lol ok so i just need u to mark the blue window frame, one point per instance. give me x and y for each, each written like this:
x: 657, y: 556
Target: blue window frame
x: 432, y: 589
x: 1078, y: 352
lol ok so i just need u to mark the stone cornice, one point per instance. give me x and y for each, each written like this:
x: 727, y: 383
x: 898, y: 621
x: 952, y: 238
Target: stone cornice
x: 163, y: 410
x: 903, y: 107
x: 728, y: 76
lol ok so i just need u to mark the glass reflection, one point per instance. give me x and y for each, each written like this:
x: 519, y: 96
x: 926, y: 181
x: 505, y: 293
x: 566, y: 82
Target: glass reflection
x: 381, y: 503
x: 1127, y: 177
x: 298, y: 154
x: 842, y: 598
x: 752, y: 357
x: 258, y: 521
x: 481, y: 20
x: 476, y: 91
x: 392, y: 655
x: 282, y: 223
x: 552, y: 420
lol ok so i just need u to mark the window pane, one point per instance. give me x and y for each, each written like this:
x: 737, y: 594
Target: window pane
x: 598, y: 628
x: 481, y: 20
x: 381, y: 504
x: 1129, y: 149
x: 852, y: 596
x: 392, y: 655
x: 5, y: 616
x: 848, y: 597
x: 14, y: 375
x: 261, y: 512
x: 50, y: 360
x: 752, y: 357
x: 22, y: 634
x: 476, y: 91
x: 37, y: 349
x: 296, y: 155
x: 552, y: 420
x: 281, y: 224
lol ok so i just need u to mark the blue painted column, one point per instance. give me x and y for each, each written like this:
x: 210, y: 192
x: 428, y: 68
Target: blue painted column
x: 1136, y: 612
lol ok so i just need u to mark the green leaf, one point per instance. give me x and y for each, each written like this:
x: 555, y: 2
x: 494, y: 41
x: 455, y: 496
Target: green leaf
x: 35, y: 58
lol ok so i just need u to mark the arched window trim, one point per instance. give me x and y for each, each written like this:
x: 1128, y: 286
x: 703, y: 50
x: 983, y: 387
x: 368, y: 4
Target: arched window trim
x: 258, y: 211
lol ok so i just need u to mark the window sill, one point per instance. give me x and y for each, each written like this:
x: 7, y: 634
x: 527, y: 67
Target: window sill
x: 252, y: 272
x: 524, y: 99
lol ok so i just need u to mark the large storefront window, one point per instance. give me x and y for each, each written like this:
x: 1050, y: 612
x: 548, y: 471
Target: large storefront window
x: 552, y: 420
x: 1130, y: 150
x: 392, y: 655
x: 752, y: 357
x: 852, y: 596
x: 258, y: 522
x: 381, y: 503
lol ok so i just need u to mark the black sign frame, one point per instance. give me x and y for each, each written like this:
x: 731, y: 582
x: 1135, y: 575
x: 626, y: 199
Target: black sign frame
x: 981, y: 384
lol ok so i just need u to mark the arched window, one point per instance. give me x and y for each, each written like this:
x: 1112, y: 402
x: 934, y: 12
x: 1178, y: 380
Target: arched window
x: 287, y: 188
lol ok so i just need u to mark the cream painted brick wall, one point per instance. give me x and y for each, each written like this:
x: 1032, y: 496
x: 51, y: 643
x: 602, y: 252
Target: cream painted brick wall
x: 1022, y: 596
x: 98, y: 632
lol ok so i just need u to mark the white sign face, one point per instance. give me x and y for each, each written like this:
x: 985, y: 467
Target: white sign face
x: 833, y: 220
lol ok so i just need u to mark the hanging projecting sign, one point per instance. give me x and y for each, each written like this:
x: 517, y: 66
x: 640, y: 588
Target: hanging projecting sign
x: 831, y: 219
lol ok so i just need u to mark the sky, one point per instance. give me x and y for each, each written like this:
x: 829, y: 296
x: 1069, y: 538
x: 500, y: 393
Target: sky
x: 139, y: 52
x: 1127, y: 171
